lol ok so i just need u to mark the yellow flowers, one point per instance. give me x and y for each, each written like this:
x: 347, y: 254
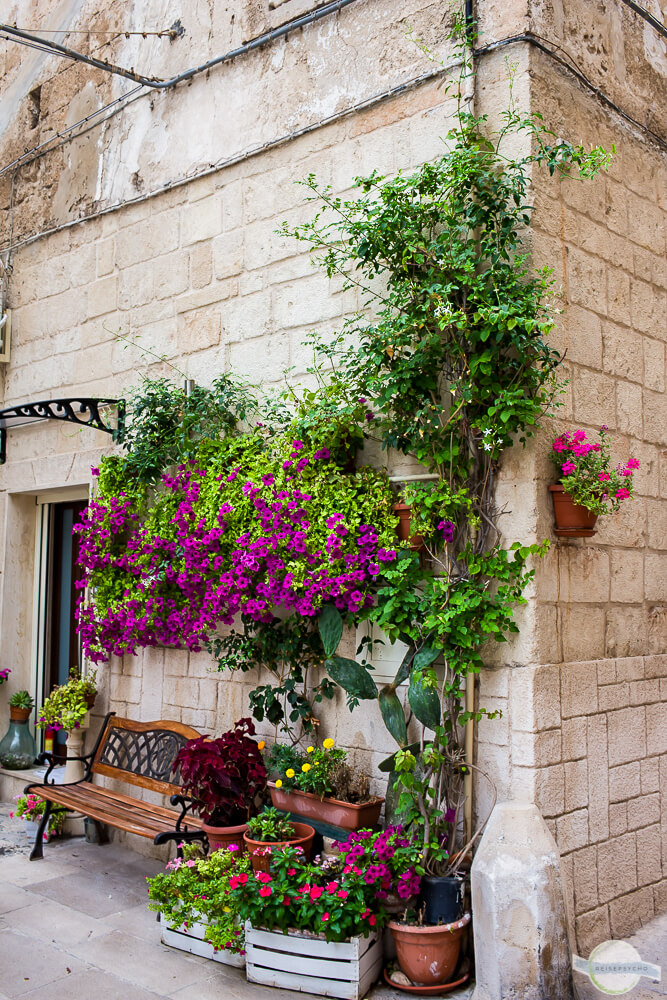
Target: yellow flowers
x: 305, y: 768
x: 290, y: 772
x: 261, y: 744
x: 328, y: 744
x: 310, y: 749
x: 279, y: 783
x: 316, y: 763
x: 226, y: 909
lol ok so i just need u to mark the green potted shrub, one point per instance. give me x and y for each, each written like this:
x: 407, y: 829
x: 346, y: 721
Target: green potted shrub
x: 270, y: 831
x: 197, y: 915
x: 68, y: 704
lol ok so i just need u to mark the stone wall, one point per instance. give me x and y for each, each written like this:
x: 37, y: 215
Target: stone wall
x: 199, y: 274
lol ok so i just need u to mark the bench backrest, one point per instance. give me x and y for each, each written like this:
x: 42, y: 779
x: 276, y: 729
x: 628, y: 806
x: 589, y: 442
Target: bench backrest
x: 141, y: 753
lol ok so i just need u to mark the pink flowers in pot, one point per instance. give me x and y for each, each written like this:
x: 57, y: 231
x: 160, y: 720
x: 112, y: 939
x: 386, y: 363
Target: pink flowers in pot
x: 587, y: 474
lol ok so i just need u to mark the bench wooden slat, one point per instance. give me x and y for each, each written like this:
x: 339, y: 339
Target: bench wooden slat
x: 116, y: 809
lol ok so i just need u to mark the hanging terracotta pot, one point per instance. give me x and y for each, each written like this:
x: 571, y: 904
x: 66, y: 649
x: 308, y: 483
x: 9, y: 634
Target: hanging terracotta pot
x: 428, y: 955
x: 572, y: 520
x: 404, y: 529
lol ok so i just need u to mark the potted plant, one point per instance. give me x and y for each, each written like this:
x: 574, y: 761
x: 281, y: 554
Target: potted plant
x: 311, y: 926
x: 319, y: 784
x: 17, y: 749
x: 30, y: 809
x: 21, y: 705
x: 392, y: 864
x: 589, y: 485
x: 67, y: 705
x: 270, y: 831
x: 4, y: 674
x: 192, y: 897
x: 223, y: 778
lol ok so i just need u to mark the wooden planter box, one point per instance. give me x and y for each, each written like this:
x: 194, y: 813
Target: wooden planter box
x: 192, y: 941
x: 308, y: 964
x: 347, y: 815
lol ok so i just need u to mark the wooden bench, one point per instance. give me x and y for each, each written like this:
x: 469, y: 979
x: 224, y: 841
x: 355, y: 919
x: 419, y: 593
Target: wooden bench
x: 136, y: 753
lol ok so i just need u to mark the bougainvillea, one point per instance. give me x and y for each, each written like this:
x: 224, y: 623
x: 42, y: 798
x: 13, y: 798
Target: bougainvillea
x: 241, y: 529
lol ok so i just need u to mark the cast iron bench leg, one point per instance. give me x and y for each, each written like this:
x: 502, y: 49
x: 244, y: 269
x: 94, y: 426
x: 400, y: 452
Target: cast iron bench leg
x: 38, y: 850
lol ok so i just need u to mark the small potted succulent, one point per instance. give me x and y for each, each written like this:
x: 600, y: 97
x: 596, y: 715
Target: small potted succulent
x: 319, y: 784
x: 30, y: 809
x: 223, y: 777
x: 21, y: 705
x: 589, y: 485
x: 192, y: 897
x: 67, y: 705
x: 270, y: 831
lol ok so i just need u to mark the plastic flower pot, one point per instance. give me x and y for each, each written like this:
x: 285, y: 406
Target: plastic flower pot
x: 404, y: 529
x: 572, y: 520
x: 443, y: 898
x: 260, y: 850
x: 220, y: 837
x: 347, y: 815
x: 428, y: 955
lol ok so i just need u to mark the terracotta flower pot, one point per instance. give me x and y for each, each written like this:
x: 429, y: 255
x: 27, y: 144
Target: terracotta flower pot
x: 404, y: 513
x: 19, y: 714
x: 348, y: 815
x: 428, y: 955
x: 220, y: 837
x: 90, y: 700
x: 572, y: 520
x: 260, y: 850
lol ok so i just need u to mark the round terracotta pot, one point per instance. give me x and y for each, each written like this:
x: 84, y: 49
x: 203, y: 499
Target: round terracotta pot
x: 260, y: 850
x: 90, y: 700
x: 19, y: 714
x: 428, y: 955
x: 220, y: 837
x: 404, y: 513
x: 572, y: 520
x: 348, y: 815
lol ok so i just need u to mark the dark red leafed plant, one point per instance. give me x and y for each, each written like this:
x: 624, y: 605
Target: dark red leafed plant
x: 223, y: 776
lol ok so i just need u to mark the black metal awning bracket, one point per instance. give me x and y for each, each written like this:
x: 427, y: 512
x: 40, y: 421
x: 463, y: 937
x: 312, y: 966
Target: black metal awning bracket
x: 84, y: 411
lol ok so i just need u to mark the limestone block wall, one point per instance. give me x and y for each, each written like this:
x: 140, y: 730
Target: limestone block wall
x: 584, y: 728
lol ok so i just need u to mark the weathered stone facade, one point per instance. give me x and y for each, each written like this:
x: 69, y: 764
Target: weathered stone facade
x: 197, y: 272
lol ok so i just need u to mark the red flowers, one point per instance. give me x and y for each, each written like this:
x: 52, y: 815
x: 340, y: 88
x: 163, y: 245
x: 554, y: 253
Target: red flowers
x: 265, y: 891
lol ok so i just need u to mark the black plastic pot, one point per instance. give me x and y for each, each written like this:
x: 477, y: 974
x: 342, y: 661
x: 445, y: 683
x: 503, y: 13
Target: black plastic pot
x: 442, y: 898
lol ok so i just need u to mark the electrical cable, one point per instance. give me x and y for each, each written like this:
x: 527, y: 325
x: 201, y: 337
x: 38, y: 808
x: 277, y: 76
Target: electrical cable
x: 269, y: 36
x: 336, y: 116
x: 653, y: 21
x: 165, y: 33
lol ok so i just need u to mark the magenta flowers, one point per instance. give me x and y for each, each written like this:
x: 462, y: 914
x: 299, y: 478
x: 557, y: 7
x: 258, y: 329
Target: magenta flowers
x: 217, y: 544
x: 587, y: 474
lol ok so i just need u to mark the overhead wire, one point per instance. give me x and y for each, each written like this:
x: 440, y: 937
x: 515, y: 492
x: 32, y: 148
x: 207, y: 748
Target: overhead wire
x: 648, y: 17
x: 567, y: 63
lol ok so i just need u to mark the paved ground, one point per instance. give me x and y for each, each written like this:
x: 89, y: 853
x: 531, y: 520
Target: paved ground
x: 76, y: 926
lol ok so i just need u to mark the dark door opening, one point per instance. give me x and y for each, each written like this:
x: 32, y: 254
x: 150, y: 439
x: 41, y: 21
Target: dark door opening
x: 62, y: 647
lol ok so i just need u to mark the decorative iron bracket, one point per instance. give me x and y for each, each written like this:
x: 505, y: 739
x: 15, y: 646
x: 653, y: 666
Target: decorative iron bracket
x: 75, y: 411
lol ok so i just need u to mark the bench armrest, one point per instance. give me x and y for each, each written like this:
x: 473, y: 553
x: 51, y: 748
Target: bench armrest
x: 181, y: 837
x: 185, y: 802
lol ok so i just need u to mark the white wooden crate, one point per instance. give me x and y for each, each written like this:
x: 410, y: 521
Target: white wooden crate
x: 192, y: 941
x: 309, y: 964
